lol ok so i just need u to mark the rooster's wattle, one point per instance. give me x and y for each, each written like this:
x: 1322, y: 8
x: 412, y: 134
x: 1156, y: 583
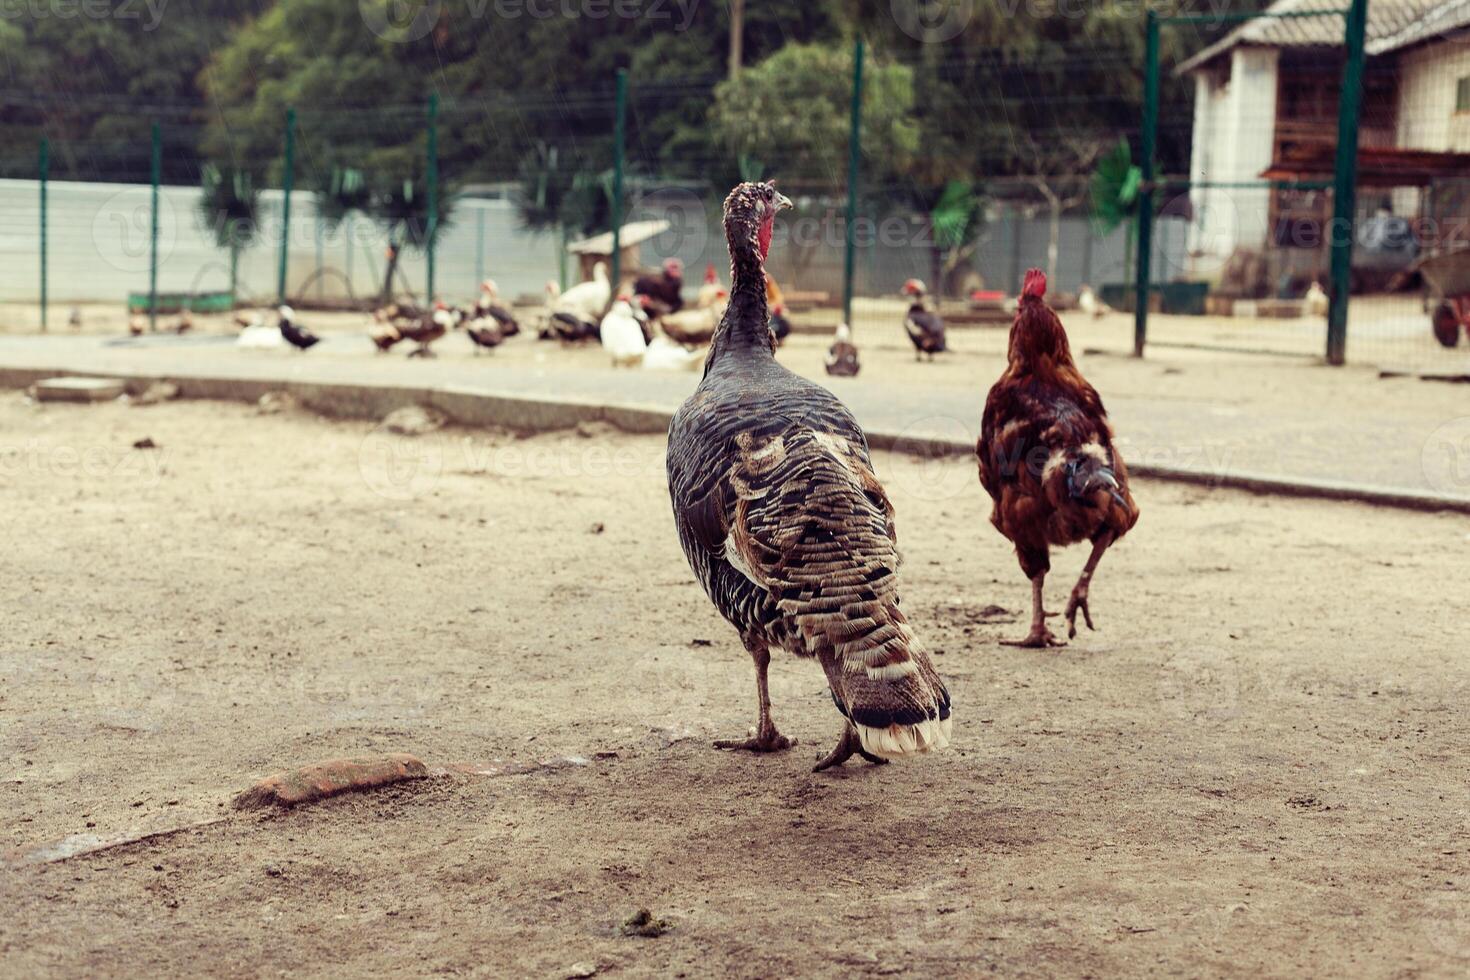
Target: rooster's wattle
x: 788, y: 529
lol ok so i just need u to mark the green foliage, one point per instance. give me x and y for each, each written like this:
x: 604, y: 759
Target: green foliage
x: 958, y: 217
x: 1114, y: 188
x: 791, y: 111
x: 229, y: 204
x: 339, y: 192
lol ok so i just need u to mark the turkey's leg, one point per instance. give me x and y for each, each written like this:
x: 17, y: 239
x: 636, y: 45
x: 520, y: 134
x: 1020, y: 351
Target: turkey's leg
x: 766, y: 737
x: 1039, y: 636
x: 848, y: 745
x: 1079, y: 591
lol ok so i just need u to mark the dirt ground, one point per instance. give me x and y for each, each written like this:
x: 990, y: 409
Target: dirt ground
x: 1257, y: 765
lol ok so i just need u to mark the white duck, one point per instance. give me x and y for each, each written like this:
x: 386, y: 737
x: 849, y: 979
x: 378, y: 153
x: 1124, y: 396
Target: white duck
x: 665, y: 355
x: 257, y: 334
x: 622, y: 333
x: 1316, y: 300
x: 586, y: 301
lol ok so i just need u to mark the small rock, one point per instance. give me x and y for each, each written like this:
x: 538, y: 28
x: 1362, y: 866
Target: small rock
x: 274, y: 402
x: 592, y: 430
x: 598, y: 528
x: 158, y: 391
x: 414, y: 420
x: 642, y: 923
x: 579, y: 971
x: 145, y: 443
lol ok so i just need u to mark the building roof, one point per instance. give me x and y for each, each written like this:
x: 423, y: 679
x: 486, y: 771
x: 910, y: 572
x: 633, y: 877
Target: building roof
x: 634, y: 233
x: 1392, y: 24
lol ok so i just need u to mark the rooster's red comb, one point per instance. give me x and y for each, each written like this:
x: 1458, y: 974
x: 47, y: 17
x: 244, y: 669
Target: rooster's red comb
x: 1035, y: 284
x: 709, y: 273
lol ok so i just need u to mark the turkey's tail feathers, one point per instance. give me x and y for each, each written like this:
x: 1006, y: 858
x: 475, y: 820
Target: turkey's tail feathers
x: 900, y: 708
x: 819, y: 528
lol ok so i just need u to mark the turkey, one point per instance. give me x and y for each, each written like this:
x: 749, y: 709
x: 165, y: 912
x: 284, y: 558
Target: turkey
x: 842, y: 356
x: 662, y: 293
x: 787, y: 528
x: 924, y: 327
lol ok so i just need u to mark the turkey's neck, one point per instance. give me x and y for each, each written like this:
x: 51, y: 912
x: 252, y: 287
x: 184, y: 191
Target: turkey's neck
x: 745, y: 325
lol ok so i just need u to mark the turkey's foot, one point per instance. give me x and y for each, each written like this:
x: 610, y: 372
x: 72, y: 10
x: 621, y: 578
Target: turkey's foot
x: 769, y: 740
x: 1039, y: 637
x: 849, y: 745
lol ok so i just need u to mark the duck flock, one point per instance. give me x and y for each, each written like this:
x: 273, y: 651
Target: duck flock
x: 647, y: 324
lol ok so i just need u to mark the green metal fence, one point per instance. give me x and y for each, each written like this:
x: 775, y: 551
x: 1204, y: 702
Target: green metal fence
x: 1341, y: 231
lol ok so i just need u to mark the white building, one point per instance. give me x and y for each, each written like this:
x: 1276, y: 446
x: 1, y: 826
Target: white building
x: 1267, y: 94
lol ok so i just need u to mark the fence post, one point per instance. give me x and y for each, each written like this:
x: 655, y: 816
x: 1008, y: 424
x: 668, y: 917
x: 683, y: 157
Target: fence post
x: 155, y: 170
x: 854, y: 147
x: 432, y: 180
x: 1344, y: 189
x: 1146, y: 191
x: 43, y: 168
x: 619, y: 136
x: 288, y: 173
x: 479, y: 247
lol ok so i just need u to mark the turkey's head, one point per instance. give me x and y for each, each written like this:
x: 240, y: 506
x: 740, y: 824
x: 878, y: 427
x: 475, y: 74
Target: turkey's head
x: 674, y: 268
x: 750, y: 214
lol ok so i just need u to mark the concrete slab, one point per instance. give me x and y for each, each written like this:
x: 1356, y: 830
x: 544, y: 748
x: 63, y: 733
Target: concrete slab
x: 78, y: 389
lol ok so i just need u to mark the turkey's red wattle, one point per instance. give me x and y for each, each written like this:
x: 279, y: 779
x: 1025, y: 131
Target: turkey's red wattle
x: 763, y: 236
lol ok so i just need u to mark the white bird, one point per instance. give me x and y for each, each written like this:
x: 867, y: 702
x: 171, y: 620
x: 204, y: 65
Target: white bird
x: 1088, y: 302
x: 587, y: 301
x: 1316, y: 300
x: 257, y: 334
x: 665, y: 355
x: 622, y: 333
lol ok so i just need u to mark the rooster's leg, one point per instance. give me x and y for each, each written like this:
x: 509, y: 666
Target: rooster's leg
x: 766, y: 737
x: 1039, y: 636
x: 849, y: 744
x: 1079, y: 591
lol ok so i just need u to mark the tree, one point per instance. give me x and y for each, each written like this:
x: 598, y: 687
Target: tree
x: 230, y: 206
x: 955, y: 223
x: 791, y: 112
x: 1058, y: 170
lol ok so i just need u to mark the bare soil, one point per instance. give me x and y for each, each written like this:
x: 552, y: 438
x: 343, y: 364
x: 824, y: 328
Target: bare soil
x: 1256, y: 766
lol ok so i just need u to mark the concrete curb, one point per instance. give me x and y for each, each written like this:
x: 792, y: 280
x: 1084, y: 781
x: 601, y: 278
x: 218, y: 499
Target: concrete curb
x: 477, y: 407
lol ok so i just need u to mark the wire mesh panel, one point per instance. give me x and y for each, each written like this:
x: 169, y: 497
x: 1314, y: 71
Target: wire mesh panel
x: 1251, y: 98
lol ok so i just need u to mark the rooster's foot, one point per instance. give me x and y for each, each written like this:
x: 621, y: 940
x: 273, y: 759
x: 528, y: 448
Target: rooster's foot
x: 768, y: 741
x: 1039, y: 637
x: 1078, y: 601
x: 849, y: 745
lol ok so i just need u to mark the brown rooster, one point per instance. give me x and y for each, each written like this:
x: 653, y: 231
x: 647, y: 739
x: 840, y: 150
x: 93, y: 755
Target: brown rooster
x: 788, y: 529
x: 1047, y: 458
